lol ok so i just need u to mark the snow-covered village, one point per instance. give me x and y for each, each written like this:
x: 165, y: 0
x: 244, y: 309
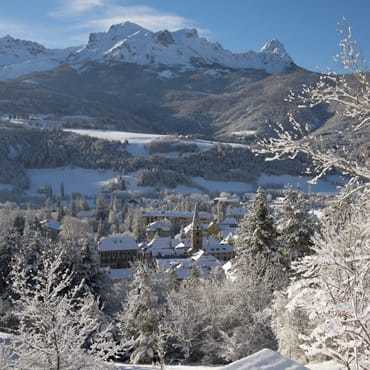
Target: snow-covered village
x: 184, y: 185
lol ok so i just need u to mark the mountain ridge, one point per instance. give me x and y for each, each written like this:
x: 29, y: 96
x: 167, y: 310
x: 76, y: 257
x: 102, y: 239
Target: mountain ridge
x: 130, y: 43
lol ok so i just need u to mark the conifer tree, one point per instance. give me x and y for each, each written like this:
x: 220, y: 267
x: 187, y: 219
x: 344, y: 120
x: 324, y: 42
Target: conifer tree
x: 258, y: 234
x: 296, y: 227
x: 142, y: 317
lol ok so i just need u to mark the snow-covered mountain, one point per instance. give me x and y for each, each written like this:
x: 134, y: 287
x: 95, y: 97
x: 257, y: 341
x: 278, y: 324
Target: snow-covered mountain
x: 131, y: 43
x: 18, y: 57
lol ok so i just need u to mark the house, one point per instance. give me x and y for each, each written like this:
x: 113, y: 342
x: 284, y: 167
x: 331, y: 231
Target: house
x: 229, y: 225
x: 160, y: 247
x: 205, y: 263
x: 118, y: 251
x: 237, y: 213
x: 220, y: 250
x: 161, y: 228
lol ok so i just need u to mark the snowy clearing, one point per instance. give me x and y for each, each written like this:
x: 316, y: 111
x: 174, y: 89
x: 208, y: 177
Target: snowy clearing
x: 75, y: 180
x: 220, y: 186
x: 328, y: 185
x: 138, y: 141
x: 90, y: 182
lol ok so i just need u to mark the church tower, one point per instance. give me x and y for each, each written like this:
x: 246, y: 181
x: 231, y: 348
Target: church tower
x: 196, y: 232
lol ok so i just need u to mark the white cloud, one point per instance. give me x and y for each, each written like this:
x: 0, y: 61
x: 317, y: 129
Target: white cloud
x: 70, y: 8
x: 82, y: 17
x: 145, y: 16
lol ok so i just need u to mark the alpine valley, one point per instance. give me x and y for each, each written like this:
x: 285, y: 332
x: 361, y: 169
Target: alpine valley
x: 130, y: 79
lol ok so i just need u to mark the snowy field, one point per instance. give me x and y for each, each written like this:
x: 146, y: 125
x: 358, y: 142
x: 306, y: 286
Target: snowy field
x: 89, y: 182
x: 75, y: 180
x: 138, y: 141
x: 327, y: 185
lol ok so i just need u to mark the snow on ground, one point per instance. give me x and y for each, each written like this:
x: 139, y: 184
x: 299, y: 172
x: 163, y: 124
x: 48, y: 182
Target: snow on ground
x: 138, y: 141
x: 263, y: 360
x: 325, y: 366
x: 167, y: 367
x: 221, y: 186
x: 75, y: 180
x: 90, y: 181
x: 327, y: 185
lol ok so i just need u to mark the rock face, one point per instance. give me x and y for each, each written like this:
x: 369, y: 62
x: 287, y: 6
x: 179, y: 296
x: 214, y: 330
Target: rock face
x: 131, y: 43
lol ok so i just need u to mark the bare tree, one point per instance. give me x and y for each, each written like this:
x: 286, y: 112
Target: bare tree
x: 349, y: 94
x: 59, y: 328
x: 333, y: 291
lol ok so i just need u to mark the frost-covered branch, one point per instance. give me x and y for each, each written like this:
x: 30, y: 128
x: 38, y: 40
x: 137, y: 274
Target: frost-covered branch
x: 348, y: 93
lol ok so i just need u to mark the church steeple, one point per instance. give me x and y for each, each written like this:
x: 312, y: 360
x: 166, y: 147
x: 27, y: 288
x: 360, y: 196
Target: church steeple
x: 196, y: 232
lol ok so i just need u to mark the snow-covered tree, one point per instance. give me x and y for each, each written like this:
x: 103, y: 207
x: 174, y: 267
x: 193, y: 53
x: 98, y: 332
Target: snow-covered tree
x: 296, y: 226
x: 349, y: 94
x: 334, y: 291
x: 58, y: 328
x: 140, y: 320
x: 258, y: 234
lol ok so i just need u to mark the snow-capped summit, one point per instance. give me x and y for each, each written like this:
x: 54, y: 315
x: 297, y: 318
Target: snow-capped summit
x: 276, y: 47
x: 131, y: 43
x: 19, y: 57
x: 14, y: 50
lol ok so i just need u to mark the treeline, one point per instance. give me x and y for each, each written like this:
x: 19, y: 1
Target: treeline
x: 24, y: 148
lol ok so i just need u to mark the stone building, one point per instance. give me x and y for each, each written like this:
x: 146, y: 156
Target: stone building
x: 118, y: 251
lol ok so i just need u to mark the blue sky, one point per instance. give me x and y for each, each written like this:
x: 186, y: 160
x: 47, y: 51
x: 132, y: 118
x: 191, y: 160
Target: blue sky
x: 307, y: 28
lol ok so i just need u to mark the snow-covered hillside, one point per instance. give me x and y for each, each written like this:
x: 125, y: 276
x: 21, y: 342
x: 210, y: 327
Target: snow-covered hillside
x: 18, y: 57
x: 131, y: 43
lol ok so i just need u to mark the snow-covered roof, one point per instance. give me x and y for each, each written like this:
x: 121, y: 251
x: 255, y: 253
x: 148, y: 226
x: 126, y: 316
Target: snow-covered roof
x: 228, y: 199
x: 230, y: 238
x: 188, y: 228
x: 212, y: 245
x: 177, y: 214
x: 118, y: 242
x: 163, y: 225
x: 168, y: 263
x: 205, y: 261
x: 226, y: 231
x: 181, y: 245
x: 161, y: 246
